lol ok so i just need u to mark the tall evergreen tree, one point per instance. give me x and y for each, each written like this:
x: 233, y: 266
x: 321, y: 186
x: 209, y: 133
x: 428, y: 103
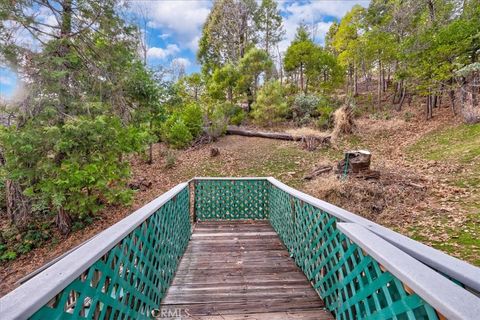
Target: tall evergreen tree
x: 268, y: 21
x: 227, y: 34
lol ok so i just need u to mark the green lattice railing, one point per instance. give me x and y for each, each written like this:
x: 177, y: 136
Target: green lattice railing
x: 360, y: 269
x: 352, y: 284
x: 126, y: 279
x: 222, y: 199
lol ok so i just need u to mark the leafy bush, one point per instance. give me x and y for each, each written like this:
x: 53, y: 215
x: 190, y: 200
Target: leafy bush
x: 192, y: 116
x: 325, y: 110
x: 270, y: 106
x: 305, y: 106
x: 218, y: 122
x: 234, y: 113
x: 8, y: 255
x: 74, y: 167
x: 176, y: 132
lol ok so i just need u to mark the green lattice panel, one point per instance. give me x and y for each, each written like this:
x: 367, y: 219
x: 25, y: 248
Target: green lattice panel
x: 231, y: 199
x: 131, y: 279
x: 352, y: 284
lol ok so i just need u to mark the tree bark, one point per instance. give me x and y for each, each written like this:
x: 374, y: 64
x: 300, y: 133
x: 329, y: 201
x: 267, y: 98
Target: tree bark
x: 355, y: 82
x: 429, y: 110
x: 402, y: 99
x: 301, y: 76
x: 232, y: 130
x: 379, y: 86
x: 63, y: 221
x: 18, y: 205
x: 452, y: 101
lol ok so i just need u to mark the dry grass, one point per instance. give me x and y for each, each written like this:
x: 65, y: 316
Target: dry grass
x: 306, y: 131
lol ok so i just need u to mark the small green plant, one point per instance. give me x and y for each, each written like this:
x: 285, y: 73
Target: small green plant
x: 192, y: 116
x: 217, y: 123
x: 7, y: 256
x: 304, y: 107
x: 270, y: 106
x: 170, y: 159
x: 176, y: 133
x: 325, y: 111
x: 234, y: 113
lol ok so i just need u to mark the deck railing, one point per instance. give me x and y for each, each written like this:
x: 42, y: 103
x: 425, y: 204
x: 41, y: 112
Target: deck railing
x: 123, y: 273
x: 361, y: 269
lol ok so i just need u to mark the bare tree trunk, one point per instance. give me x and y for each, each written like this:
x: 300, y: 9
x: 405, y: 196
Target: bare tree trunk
x: 280, y: 65
x: 451, y: 93
x: 379, y: 85
x: 301, y: 76
x: 63, y: 221
x: 355, y: 81
x: 429, y: 111
x: 431, y: 10
x: 18, y: 205
x: 452, y: 101
x: 397, y: 91
x: 402, y: 99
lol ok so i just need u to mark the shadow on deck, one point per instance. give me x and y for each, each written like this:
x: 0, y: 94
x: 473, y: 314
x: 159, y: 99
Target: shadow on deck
x: 240, y: 270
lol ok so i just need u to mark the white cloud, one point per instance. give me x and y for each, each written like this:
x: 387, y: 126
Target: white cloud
x: 182, y: 62
x: 5, y: 80
x: 313, y: 13
x: 182, y: 20
x: 163, y: 53
x: 164, y: 36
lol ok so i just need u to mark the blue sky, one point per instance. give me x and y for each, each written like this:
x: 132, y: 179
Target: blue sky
x: 174, y: 27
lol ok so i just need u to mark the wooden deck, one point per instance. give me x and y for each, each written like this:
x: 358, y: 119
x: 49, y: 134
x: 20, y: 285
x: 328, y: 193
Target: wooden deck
x: 240, y: 270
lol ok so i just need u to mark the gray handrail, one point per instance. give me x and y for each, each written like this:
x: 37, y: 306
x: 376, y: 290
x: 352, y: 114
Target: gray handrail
x: 460, y: 270
x: 443, y: 295
x: 25, y: 300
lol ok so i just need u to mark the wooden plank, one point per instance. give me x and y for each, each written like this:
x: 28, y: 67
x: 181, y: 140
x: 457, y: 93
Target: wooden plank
x: 240, y: 270
x: 249, y: 307
x: 311, y: 314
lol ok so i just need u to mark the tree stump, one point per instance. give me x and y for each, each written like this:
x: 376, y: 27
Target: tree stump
x: 214, y: 152
x: 355, y: 161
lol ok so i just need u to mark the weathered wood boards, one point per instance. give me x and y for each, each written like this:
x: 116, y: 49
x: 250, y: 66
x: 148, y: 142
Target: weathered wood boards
x: 240, y: 270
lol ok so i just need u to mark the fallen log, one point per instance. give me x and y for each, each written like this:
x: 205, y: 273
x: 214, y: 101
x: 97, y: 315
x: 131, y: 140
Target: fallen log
x: 232, y: 130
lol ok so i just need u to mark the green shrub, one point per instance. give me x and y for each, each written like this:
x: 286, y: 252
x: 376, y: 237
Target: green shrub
x: 270, y: 106
x: 176, y: 133
x: 234, y: 113
x: 218, y: 122
x: 325, y: 110
x: 304, y: 106
x: 74, y: 167
x: 192, y: 116
x: 7, y: 256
